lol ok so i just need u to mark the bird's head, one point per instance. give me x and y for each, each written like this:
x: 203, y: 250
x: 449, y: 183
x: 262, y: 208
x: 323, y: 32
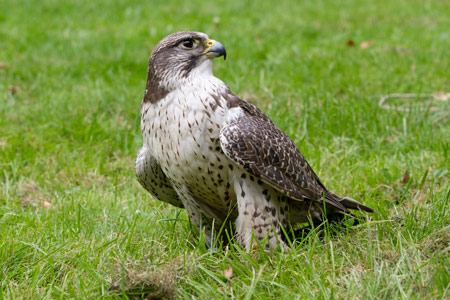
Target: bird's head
x: 176, y: 58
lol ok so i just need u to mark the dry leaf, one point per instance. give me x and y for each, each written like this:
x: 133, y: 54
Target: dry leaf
x: 441, y: 96
x: 366, y: 44
x: 350, y: 43
x: 405, y: 177
x: 228, y: 273
x: 13, y: 90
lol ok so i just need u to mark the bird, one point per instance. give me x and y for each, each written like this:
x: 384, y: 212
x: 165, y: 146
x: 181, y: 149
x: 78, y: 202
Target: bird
x: 220, y: 157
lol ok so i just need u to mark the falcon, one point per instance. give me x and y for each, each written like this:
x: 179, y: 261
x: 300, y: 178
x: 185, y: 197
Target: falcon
x: 220, y: 157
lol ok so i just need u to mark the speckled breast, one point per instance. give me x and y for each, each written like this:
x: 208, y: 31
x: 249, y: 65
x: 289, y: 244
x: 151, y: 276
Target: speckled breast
x: 185, y: 142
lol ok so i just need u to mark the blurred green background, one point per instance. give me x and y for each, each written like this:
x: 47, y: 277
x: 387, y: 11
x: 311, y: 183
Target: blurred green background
x: 74, y: 221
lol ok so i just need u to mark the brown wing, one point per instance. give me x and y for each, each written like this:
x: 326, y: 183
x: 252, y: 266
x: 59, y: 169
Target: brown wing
x: 257, y: 144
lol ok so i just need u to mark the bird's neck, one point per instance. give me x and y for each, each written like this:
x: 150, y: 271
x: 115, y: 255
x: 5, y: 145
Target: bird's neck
x: 200, y: 78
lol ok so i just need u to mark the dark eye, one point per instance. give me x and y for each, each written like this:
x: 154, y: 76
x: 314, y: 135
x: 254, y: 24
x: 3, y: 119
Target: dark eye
x: 188, y: 44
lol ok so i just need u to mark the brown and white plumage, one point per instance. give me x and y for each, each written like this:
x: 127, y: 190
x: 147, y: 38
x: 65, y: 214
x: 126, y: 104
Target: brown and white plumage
x: 218, y: 156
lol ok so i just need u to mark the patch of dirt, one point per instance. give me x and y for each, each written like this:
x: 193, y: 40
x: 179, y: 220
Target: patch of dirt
x: 30, y: 195
x: 438, y: 241
x: 158, y: 282
x: 92, y: 178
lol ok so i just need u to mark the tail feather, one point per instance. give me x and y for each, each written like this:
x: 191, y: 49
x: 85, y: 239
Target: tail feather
x: 348, y: 203
x: 353, y: 204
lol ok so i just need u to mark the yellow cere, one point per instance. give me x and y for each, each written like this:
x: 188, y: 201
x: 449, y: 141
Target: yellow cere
x: 209, y: 43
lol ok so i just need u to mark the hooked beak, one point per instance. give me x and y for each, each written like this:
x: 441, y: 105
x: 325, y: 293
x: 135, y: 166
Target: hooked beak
x: 214, y: 49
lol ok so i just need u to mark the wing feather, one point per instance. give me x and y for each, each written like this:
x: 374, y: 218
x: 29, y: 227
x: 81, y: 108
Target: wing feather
x: 253, y: 141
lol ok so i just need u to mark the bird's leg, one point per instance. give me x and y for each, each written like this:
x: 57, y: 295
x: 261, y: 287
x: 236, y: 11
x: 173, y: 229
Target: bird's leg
x: 201, y: 222
x: 261, y: 213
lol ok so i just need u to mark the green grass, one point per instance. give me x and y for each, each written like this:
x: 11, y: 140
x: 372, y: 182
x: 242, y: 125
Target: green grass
x: 72, y: 76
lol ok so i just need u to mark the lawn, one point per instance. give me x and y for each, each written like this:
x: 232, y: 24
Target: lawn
x: 74, y: 222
